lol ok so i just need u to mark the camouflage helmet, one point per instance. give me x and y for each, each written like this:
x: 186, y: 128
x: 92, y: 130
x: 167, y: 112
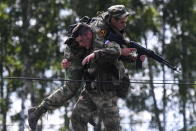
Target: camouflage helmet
x: 118, y: 11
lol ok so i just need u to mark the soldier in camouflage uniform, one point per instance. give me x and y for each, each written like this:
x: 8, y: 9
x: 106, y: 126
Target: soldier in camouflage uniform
x: 106, y: 77
x: 112, y: 21
x: 106, y: 65
x: 74, y: 54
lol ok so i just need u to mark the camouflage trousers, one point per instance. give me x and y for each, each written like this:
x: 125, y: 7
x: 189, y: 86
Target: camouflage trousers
x: 104, y: 104
x: 63, y: 94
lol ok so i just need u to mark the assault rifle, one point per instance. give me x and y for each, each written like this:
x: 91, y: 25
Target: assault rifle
x: 140, y: 50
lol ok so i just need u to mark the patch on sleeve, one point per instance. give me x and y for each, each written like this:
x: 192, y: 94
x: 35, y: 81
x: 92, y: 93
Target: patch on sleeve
x: 107, y: 42
x: 102, y: 33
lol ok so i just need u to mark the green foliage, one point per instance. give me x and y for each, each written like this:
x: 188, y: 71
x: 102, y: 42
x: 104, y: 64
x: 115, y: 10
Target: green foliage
x: 15, y: 117
x: 64, y: 129
x: 145, y: 20
x: 3, y: 14
x: 192, y: 129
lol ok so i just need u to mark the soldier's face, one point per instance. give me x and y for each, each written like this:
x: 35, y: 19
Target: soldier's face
x: 85, y: 40
x: 119, y: 24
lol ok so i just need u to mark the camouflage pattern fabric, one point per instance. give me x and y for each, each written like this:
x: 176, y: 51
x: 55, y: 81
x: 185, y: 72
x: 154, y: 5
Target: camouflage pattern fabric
x: 101, y: 27
x: 102, y: 24
x: 63, y: 94
x: 100, y: 96
x: 75, y: 55
x: 105, y: 104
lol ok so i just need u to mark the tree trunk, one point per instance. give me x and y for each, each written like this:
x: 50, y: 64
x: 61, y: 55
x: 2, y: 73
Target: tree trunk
x: 3, y: 111
x: 25, y: 6
x: 164, y: 100
x: 163, y: 70
x: 183, y: 88
x: 156, y: 110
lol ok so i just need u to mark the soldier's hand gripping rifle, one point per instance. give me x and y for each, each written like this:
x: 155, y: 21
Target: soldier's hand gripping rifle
x: 140, y: 50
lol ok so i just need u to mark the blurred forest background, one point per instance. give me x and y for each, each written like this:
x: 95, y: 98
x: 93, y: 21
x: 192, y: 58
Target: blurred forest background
x: 32, y: 33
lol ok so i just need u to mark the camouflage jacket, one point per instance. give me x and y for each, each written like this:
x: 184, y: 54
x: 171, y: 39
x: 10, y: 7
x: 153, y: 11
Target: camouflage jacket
x: 106, y: 65
x: 101, y: 27
x: 74, y: 53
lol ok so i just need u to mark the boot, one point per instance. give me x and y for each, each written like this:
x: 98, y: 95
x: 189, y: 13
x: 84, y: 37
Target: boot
x: 34, y: 114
